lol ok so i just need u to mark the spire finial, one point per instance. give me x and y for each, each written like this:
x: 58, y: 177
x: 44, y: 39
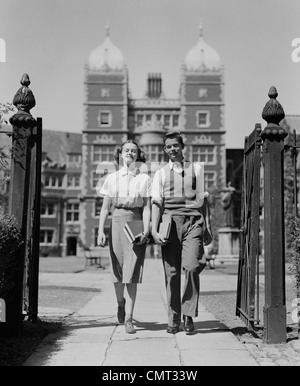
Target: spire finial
x: 107, y: 28
x: 200, y: 29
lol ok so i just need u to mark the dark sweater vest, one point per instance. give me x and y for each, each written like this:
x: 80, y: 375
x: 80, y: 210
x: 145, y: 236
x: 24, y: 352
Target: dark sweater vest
x: 176, y: 189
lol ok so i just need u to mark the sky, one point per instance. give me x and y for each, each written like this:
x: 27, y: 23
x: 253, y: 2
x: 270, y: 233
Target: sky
x: 52, y: 39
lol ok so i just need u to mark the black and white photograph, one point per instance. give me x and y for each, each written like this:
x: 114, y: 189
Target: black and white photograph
x: 149, y: 186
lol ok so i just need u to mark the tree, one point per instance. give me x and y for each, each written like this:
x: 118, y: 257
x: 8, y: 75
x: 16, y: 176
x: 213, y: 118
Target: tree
x: 5, y: 152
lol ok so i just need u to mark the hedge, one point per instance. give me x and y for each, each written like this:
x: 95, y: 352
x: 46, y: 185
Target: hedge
x: 10, y: 242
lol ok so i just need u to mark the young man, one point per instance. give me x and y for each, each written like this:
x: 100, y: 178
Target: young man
x: 178, y: 192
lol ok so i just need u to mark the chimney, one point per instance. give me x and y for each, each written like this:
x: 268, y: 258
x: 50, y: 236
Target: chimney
x: 154, y: 85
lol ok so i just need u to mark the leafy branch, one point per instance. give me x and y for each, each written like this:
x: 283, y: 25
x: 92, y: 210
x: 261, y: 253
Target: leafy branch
x: 5, y: 108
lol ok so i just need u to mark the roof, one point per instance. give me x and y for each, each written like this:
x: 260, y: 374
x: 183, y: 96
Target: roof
x: 202, y: 57
x: 292, y: 121
x: 57, y: 144
x: 106, y: 56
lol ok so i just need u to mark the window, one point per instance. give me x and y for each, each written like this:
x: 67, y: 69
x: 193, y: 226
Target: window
x: 103, y: 153
x: 52, y: 181
x: 205, y: 154
x: 72, y: 212
x: 98, y: 205
x: 104, y: 118
x: 73, y: 181
x: 73, y: 159
x: 148, y: 117
x: 139, y: 120
x: 175, y: 120
x: 203, y: 119
x: 46, y: 236
x: 167, y: 120
x: 154, y: 153
x: 209, y: 179
x: 96, y: 178
x: 48, y: 209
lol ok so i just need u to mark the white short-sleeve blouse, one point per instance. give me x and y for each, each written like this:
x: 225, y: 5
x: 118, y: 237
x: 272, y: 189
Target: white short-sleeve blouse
x: 127, y: 188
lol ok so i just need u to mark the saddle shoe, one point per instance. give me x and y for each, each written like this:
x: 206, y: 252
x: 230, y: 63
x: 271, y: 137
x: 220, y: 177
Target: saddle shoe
x: 129, y: 328
x: 172, y: 330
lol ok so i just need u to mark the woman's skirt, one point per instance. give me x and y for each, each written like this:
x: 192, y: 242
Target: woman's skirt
x: 127, y: 259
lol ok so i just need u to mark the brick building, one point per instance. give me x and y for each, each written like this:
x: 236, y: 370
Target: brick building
x: 73, y: 163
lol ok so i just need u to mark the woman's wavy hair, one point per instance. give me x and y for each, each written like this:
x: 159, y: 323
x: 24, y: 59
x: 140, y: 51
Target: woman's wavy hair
x: 141, y: 157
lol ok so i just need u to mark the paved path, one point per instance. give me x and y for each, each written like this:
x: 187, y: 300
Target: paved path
x: 91, y: 336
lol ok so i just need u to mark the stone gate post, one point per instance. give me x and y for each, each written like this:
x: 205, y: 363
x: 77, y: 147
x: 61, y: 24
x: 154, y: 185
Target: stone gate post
x: 23, y: 124
x: 273, y: 145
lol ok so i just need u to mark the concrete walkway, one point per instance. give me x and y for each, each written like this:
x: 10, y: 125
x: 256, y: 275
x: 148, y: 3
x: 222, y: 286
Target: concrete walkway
x: 92, y: 337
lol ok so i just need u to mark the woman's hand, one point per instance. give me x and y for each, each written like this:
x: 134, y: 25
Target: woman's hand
x: 101, y: 239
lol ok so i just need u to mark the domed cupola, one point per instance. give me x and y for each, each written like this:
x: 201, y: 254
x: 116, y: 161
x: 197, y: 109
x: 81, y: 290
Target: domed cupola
x: 106, y: 57
x: 202, y: 57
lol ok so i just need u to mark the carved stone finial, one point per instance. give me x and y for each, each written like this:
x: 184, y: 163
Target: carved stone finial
x: 25, y: 81
x: 24, y: 101
x: 273, y: 111
x: 273, y: 114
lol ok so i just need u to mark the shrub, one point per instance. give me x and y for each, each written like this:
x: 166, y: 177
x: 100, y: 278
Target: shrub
x: 10, y: 242
x: 295, y: 252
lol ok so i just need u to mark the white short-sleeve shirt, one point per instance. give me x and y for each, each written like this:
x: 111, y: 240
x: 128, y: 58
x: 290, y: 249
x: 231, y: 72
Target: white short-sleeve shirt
x: 127, y: 188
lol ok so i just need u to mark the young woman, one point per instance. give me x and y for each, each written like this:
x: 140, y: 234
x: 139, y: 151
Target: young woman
x: 128, y: 191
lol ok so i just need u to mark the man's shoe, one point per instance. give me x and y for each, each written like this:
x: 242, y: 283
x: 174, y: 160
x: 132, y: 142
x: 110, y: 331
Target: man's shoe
x: 188, y: 324
x: 121, y: 312
x: 173, y: 330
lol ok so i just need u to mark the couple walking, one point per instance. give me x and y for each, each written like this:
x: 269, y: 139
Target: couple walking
x: 177, y: 191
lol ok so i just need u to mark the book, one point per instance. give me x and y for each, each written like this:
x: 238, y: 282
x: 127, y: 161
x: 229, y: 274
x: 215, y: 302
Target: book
x: 133, y: 230
x: 165, y: 227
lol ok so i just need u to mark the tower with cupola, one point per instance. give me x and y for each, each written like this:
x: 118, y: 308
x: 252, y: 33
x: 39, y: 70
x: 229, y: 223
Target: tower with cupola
x: 202, y: 110
x: 105, y: 125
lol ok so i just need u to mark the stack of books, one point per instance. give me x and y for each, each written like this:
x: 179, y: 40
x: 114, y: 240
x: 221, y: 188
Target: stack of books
x: 133, y: 230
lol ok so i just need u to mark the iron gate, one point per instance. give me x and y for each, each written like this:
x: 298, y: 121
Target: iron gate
x: 248, y: 269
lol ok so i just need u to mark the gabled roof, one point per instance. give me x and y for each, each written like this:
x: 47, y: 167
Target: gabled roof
x: 57, y: 144
x: 292, y: 122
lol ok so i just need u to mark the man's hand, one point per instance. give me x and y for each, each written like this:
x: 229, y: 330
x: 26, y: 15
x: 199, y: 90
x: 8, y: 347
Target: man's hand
x: 158, y: 239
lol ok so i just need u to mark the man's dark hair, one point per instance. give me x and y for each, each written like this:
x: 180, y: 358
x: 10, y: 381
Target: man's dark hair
x: 174, y: 134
